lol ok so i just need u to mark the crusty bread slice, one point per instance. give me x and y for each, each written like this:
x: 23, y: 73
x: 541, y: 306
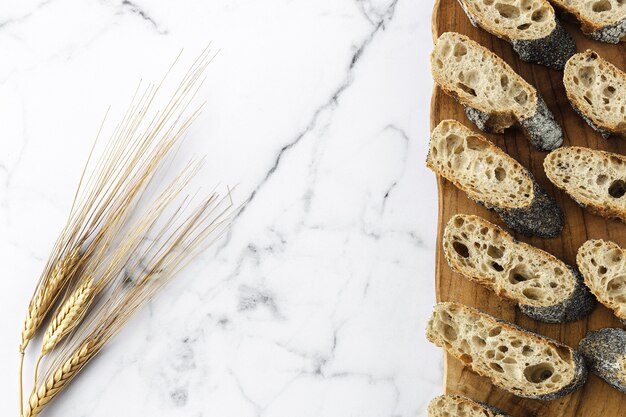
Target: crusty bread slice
x: 494, y: 96
x: 602, y: 20
x: 593, y: 178
x: 542, y: 286
x: 460, y: 406
x: 492, y: 178
x: 531, y: 27
x: 597, y: 91
x: 603, y: 264
x: 523, y: 363
x: 605, y: 354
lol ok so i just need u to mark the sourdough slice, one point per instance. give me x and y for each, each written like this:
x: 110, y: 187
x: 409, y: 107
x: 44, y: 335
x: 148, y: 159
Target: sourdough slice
x: 494, y: 96
x: 529, y: 25
x: 603, y: 264
x: 605, y: 354
x: 460, y: 406
x: 542, y: 286
x: 597, y: 91
x: 602, y: 20
x: 594, y: 179
x: 524, y: 363
x: 494, y: 179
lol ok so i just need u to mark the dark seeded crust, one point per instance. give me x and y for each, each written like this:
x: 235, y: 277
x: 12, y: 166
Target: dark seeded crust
x: 602, y: 350
x: 463, y: 399
x: 552, y: 51
x: 614, y: 33
x: 578, y: 305
x: 543, y: 132
x: 580, y: 370
x: 543, y: 218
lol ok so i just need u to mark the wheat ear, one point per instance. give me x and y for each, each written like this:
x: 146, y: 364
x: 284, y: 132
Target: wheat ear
x: 59, y: 379
x: 68, y: 316
x: 47, y: 294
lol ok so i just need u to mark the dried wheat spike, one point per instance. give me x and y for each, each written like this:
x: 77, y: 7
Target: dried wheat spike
x: 58, y: 380
x: 47, y: 294
x: 68, y: 316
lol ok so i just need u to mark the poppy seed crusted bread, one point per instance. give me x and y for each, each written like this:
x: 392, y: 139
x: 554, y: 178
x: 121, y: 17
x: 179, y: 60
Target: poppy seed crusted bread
x: 602, y: 20
x: 492, y: 178
x: 605, y: 354
x: 597, y: 91
x: 529, y: 25
x: 461, y: 406
x: 594, y: 179
x: 542, y: 286
x: 603, y: 264
x: 494, y: 96
x: 521, y: 362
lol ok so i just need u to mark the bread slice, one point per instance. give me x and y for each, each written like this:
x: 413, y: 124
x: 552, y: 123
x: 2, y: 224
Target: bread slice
x: 523, y: 363
x: 542, y: 286
x: 494, y: 96
x: 602, y: 20
x: 530, y: 26
x: 460, y: 406
x: 603, y: 264
x: 594, y: 179
x: 597, y: 91
x: 494, y: 179
x: 605, y: 354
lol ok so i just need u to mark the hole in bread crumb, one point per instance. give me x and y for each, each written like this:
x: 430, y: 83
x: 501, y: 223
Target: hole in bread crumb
x: 504, y: 81
x: 494, y: 252
x: 495, y: 331
x: 564, y: 353
x: 538, y: 373
x: 602, y: 270
x: 617, y: 189
x: 449, y: 333
x: 475, y: 143
x: 609, y: 91
x: 601, y: 179
x: 461, y: 249
x: 587, y: 75
x: 527, y: 351
x: 496, y: 367
x: 507, y: 11
x: 478, y: 341
x: 517, y: 275
x: 521, y: 98
x: 467, y: 89
x: 532, y: 293
x: 602, y: 6
x: 497, y: 266
x: 539, y: 15
x: 459, y: 50
x: 500, y: 173
x: 458, y: 222
x: 524, y: 26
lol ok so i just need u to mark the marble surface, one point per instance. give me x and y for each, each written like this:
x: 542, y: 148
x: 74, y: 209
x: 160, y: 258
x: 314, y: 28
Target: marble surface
x: 315, y: 304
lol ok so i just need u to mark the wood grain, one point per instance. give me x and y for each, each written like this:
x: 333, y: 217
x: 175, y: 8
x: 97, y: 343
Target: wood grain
x: 596, y: 398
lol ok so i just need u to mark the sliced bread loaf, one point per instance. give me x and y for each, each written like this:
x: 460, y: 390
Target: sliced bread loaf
x: 460, y: 406
x: 523, y: 363
x: 602, y: 20
x: 531, y: 27
x: 605, y: 354
x: 494, y: 96
x: 542, y: 286
x: 603, y: 264
x: 597, y: 91
x: 494, y: 179
x: 594, y: 179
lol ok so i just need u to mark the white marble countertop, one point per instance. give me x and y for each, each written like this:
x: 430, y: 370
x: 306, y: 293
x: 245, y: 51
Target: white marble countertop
x: 319, y: 111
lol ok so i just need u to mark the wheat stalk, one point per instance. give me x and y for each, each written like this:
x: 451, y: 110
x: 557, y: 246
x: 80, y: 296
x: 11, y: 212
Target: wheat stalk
x: 58, y: 380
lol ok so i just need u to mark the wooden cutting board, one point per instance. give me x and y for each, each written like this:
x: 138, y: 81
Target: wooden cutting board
x: 596, y: 398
